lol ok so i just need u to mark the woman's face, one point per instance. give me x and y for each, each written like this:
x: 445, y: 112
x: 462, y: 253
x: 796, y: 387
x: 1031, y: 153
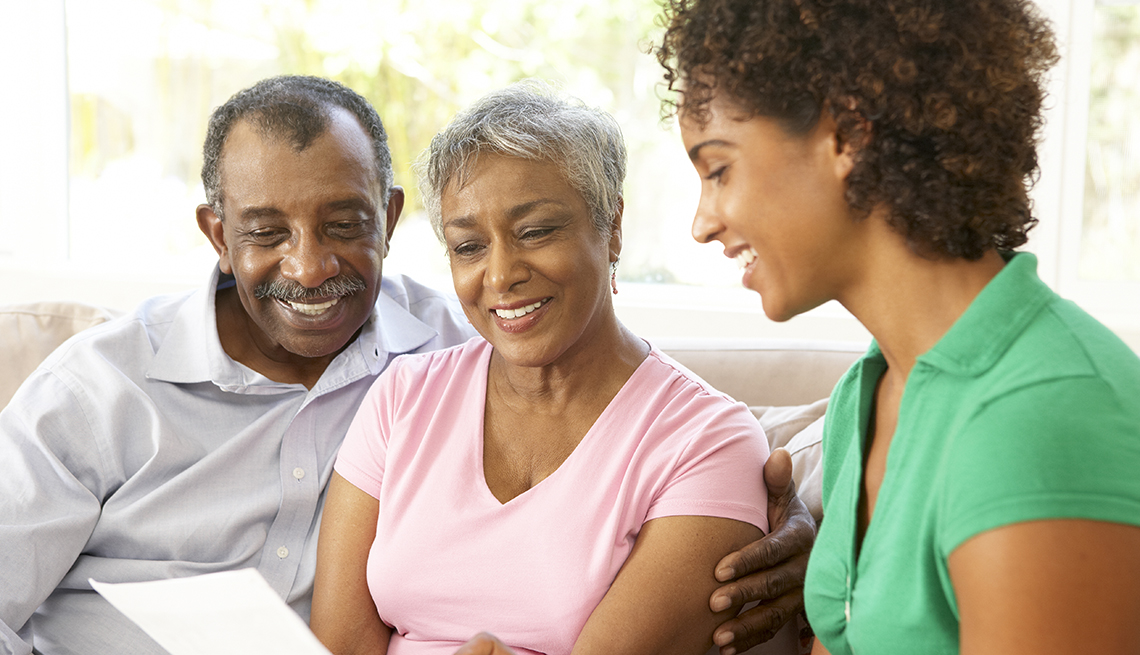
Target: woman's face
x: 529, y: 267
x: 776, y: 203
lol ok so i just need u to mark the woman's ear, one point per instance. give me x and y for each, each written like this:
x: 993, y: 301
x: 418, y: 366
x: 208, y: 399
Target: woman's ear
x: 852, y: 133
x: 615, y: 231
x: 844, y: 160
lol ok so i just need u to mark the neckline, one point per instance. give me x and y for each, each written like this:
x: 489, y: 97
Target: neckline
x: 584, y: 443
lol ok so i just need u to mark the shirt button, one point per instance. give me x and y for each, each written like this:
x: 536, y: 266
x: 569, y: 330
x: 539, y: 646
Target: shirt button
x: 282, y: 552
x: 299, y: 473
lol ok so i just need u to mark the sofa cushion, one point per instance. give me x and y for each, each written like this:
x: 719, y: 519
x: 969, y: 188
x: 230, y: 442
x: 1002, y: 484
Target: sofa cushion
x: 766, y: 371
x: 799, y: 430
x: 29, y: 333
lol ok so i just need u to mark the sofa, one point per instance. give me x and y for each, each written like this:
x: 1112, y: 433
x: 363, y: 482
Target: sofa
x: 785, y: 383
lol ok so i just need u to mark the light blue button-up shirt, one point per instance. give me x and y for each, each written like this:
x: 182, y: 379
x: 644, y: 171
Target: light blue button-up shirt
x: 139, y: 450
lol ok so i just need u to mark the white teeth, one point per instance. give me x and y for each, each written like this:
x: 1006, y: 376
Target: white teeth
x: 521, y: 311
x: 312, y: 309
x: 746, y: 257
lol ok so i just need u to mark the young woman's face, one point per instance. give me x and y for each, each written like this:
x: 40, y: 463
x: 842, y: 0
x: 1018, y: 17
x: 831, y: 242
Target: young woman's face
x: 776, y: 203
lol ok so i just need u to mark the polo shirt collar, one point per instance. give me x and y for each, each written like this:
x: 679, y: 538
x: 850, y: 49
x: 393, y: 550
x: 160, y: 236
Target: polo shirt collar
x: 192, y: 351
x: 994, y: 320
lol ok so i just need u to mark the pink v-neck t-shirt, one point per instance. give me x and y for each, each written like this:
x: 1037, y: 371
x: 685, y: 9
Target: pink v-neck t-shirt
x: 450, y: 560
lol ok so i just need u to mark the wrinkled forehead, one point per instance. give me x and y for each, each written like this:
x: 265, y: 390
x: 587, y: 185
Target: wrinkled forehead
x: 342, y: 144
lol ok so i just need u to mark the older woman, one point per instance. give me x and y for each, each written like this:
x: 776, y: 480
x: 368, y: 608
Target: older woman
x: 980, y: 485
x: 558, y: 482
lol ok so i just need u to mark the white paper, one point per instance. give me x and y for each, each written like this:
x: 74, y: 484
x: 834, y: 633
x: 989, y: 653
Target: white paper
x: 232, y: 612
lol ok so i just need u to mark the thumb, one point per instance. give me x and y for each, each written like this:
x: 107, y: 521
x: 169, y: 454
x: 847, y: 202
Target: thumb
x: 778, y: 473
x: 484, y: 644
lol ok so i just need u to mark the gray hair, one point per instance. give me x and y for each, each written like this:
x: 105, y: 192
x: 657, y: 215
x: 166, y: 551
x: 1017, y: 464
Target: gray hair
x: 293, y: 107
x: 531, y: 120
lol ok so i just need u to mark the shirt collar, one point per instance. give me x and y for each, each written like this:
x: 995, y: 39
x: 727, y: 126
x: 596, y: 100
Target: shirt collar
x: 993, y: 320
x: 192, y: 351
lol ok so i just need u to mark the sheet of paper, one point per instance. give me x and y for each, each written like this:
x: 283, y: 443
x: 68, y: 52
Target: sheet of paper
x: 232, y: 612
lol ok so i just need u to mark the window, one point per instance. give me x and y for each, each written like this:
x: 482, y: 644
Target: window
x: 1110, y: 231
x: 1091, y: 162
x: 103, y: 175
x: 141, y: 91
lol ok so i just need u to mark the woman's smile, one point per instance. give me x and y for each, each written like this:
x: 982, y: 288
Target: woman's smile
x: 529, y: 265
x: 522, y: 318
x: 776, y: 202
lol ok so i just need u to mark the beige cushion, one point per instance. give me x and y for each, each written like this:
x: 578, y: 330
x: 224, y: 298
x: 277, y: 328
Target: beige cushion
x: 766, y: 371
x: 29, y: 333
x: 799, y: 430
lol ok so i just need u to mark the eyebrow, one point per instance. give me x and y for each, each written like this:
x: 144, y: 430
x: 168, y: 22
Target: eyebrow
x: 351, y: 203
x: 462, y: 222
x: 695, y: 150
x: 256, y: 213
x: 526, y: 207
x: 515, y: 212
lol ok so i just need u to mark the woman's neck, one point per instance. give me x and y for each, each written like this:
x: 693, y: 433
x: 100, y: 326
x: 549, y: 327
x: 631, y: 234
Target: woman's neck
x: 592, y: 370
x: 908, y: 302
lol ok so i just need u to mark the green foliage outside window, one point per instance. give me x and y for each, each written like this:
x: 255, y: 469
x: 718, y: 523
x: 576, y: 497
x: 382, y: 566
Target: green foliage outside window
x: 146, y: 73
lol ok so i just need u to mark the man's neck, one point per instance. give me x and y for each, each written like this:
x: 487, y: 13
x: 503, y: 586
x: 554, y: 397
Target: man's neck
x: 243, y: 342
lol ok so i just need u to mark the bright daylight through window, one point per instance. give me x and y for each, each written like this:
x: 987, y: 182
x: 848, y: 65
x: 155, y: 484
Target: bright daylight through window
x: 108, y: 160
x: 1110, y: 244
x: 141, y: 92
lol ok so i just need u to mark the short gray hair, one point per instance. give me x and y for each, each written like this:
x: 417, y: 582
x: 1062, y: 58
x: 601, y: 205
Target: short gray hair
x: 531, y: 120
x: 296, y: 108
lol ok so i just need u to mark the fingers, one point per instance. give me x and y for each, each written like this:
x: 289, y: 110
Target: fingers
x: 770, y: 570
x: 778, y: 473
x: 758, y: 624
x: 484, y: 644
x: 792, y: 535
x: 763, y: 586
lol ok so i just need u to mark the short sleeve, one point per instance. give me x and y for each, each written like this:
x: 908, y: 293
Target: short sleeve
x: 362, y: 455
x: 721, y: 470
x: 1063, y: 449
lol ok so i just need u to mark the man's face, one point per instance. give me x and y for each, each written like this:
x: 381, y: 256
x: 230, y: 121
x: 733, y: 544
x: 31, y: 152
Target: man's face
x: 304, y: 235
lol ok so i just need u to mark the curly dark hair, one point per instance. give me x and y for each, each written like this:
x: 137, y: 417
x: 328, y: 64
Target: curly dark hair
x: 293, y: 107
x: 940, y: 99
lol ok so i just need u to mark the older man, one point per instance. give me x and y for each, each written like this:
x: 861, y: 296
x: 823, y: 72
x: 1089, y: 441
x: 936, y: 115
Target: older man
x: 198, y: 433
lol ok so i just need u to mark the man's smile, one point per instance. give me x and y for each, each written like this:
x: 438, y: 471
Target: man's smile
x: 309, y: 309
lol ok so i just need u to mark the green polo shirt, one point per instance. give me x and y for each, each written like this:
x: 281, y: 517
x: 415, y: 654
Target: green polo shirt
x: 1026, y: 409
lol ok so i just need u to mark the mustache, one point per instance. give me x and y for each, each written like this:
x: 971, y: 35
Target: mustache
x: 287, y: 290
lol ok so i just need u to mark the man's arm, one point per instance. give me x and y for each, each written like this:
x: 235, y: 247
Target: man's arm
x: 47, y: 514
x: 770, y: 570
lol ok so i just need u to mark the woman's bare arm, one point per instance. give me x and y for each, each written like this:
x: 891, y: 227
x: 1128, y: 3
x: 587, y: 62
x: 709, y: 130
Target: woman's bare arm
x: 1045, y: 587
x: 658, y: 604
x: 344, y: 616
